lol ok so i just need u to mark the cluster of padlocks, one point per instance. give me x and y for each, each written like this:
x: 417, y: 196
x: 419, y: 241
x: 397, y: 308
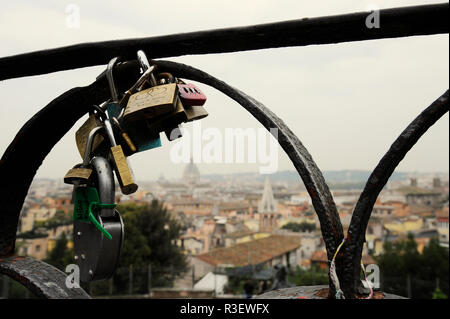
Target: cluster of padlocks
x: 125, y: 124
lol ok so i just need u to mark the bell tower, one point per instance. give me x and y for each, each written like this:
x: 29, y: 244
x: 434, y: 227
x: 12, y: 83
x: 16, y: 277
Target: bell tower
x: 268, y: 209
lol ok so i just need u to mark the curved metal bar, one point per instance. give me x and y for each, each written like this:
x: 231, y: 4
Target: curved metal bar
x: 29, y: 148
x: 40, y: 278
x: 311, y: 175
x: 377, y: 180
x: 396, y: 22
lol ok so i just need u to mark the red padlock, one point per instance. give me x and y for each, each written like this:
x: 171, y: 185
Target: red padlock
x: 190, y: 95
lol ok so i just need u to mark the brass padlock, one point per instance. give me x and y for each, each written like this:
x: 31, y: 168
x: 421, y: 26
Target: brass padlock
x: 191, y: 113
x: 81, y: 136
x: 151, y: 102
x: 168, y: 121
x: 125, y: 137
x: 179, y: 115
x: 137, y: 131
x: 123, y: 172
x: 195, y: 112
x: 80, y: 174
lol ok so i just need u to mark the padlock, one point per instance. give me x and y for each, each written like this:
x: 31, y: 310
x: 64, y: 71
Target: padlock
x: 141, y: 136
x: 81, y: 136
x: 190, y: 94
x: 112, y: 107
x: 123, y: 172
x: 87, y: 205
x: 81, y: 173
x: 152, y: 102
x: 138, y: 131
x: 173, y: 133
x: 136, y: 87
x: 78, y: 175
x: 149, y: 102
x: 98, y: 231
x: 131, y: 147
x: 195, y: 112
x: 169, y: 121
x: 145, y: 65
x: 165, y: 78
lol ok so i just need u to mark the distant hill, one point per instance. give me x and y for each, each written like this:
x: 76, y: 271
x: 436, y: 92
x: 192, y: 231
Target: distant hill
x: 332, y: 177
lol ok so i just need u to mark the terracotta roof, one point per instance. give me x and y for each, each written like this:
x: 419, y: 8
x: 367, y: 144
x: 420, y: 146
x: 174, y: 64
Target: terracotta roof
x: 442, y: 214
x: 190, y: 202
x: 319, y: 256
x: 240, y: 233
x: 306, y: 263
x: 253, y: 252
x: 234, y: 205
x: 414, y: 190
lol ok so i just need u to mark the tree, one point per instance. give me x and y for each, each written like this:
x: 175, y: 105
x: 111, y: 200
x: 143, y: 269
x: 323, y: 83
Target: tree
x: 438, y: 294
x: 60, y: 256
x: 60, y: 218
x: 299, y: 227
x: 150, y: 240
x: 309, y: 277
x: 402, y: 265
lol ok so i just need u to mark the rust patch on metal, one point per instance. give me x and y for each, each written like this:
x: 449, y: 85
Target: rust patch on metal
x: 322, y: 293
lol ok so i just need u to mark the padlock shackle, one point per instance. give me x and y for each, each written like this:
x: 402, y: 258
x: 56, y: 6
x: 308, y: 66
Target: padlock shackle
x: 110, y: 78
x: 110, y: 132
x: 169, y: 76
x: 145, y: 65
x: 89, y: 143
x: 100, y: 111
x: 147, y: 73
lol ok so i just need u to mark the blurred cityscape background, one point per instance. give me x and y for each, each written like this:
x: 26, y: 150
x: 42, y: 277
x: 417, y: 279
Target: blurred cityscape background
x: 237, y: 235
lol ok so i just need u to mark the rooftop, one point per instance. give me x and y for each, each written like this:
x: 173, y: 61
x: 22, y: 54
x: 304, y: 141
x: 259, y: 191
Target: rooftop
x: 253, y: 252
x: 414, y: 190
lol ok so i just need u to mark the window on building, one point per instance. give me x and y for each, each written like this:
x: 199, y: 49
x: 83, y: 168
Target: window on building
x: 38, y: 248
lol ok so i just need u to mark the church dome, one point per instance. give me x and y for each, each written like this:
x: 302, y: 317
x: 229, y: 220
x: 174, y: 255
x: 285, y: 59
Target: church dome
x: 191, y: 174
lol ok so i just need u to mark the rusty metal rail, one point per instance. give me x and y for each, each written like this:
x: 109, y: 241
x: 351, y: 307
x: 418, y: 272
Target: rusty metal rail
x: 40, y: 278
x: 65, y: 110
x: 396, y: 22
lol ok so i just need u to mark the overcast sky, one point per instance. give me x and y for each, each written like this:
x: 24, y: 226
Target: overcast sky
x: 346, y: 102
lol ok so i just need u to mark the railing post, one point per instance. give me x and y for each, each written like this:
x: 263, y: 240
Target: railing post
x: 130, y: 280
x: 111, y: 285
x: 408, y: 286
x: 149, y: 279
x: 5, y: 288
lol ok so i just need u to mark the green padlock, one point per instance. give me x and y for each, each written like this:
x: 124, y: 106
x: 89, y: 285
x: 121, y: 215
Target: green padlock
x: 86, y: 206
